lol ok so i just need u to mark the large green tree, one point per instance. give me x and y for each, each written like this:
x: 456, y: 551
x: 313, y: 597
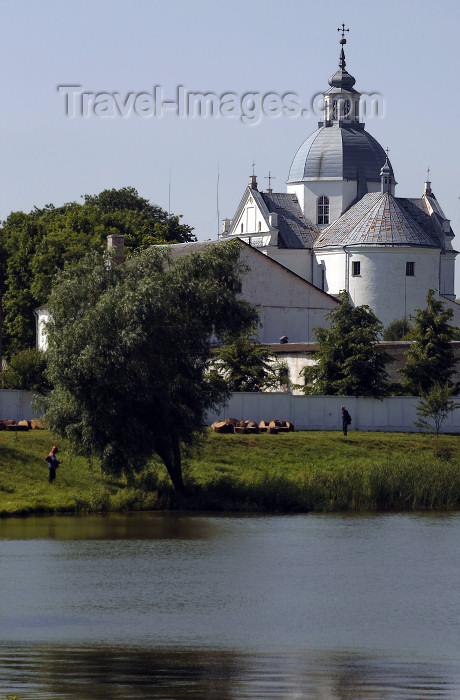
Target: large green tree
x: 349, y: 361
x: 130, y: 350
x: 431, y: 358
x: 35, y: 247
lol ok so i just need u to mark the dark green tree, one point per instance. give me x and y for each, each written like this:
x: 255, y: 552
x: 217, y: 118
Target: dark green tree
x: 430, y: 358
x: 27, y: 370
x: 130, y: 349
x: 397, y: 330
x: 35, y: 247
x: 245, y: 363
x: 349, y: 361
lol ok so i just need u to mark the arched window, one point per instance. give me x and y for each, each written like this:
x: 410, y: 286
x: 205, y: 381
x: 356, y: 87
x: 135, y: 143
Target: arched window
x: 323, y: 209
x: 241, y: 228
x: 260, y: 225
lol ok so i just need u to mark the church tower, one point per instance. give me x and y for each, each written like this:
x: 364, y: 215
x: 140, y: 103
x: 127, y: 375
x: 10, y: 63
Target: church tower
x: 340, y: 225
x: 340, y: 162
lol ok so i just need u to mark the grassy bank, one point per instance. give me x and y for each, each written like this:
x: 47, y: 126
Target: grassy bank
x: 293, y: 472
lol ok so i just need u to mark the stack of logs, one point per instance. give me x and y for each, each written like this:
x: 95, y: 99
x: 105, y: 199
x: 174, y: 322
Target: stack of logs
x: 34, y: 424
x: 231, y: 425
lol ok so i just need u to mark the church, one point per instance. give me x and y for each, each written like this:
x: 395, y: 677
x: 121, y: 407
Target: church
x: 340, y: 225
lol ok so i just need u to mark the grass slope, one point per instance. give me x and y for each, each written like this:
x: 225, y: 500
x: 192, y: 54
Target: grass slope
x: 297, y: 472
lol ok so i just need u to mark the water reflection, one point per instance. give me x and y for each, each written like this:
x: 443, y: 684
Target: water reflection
x: 99, y: 673
x: 112, y: 526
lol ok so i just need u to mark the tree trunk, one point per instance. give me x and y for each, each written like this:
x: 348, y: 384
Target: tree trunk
x: 169, y: 452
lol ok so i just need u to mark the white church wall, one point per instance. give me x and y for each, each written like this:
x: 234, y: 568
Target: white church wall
x: 296, y: 323
x: 340, y: 192
x: 299, y: 191
x: 297, y: 260
x: 333, y: 262
x: 289, y: 305
x: 249, y: 220
x: 447, y: 276
x: 383, y: 284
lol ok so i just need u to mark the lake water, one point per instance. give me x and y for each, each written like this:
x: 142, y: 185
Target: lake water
x: 220, y: 607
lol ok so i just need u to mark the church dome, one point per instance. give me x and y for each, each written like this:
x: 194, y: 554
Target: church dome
x: 338, y: 152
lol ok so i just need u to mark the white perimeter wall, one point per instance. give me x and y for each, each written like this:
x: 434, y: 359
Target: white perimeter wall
x: 16, y: 405
x: 392, y: 414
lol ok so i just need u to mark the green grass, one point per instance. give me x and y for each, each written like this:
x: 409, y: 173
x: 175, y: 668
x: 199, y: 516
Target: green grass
x: 292, y: 472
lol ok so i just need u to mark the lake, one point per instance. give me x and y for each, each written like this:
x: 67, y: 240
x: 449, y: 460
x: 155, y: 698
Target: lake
x: 179, y: 606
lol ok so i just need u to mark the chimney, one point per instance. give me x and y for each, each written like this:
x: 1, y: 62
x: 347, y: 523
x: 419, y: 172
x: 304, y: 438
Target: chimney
x: 226, y: 223
x: 116, y: 243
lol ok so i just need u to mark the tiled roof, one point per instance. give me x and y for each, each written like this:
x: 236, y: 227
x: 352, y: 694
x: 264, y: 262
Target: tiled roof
x: 295, y: 231
x: 380, y: 219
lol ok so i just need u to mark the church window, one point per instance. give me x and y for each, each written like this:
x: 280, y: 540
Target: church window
x: 356, y: 268
x: 323, y: 279
x: 357, y: 108
x: 334, y: 109
x: 242, y: 228
x: 410, y: 269
x: 323, y: 210
x: 260, y: 226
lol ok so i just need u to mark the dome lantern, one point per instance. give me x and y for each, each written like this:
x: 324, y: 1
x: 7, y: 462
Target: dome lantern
x: 341, y: 101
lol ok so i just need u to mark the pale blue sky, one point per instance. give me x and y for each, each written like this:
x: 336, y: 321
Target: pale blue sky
x: 405, y: 50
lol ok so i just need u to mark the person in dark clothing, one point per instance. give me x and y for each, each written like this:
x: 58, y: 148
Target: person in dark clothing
x: 346, y: 420
x: 53, y: 464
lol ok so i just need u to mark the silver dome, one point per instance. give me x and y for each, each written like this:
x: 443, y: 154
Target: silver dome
x: 344, y: 152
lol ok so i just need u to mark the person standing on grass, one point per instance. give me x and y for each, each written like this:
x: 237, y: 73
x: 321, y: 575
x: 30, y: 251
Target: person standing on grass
x: 53, y: 464
x: 346, y: 420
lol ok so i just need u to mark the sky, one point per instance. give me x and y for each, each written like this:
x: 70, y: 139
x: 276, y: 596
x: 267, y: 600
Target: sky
x: 58, y: 144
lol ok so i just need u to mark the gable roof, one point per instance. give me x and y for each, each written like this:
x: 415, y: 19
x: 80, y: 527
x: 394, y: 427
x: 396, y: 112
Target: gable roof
x: 381, y: 219
x: 295, y: 231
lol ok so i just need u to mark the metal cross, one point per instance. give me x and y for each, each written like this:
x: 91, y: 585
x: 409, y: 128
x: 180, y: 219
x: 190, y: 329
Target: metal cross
x: 253, y: 168
x: 343, y: 30
x: 428, y: 174
x: 270, y: 177
x: 387, y: 150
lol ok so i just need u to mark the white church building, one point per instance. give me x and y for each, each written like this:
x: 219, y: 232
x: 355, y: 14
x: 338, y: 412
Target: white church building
x: 340, y: 225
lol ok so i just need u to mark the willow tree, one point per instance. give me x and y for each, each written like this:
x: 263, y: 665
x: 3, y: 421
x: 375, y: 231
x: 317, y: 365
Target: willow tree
x: 130, y: 350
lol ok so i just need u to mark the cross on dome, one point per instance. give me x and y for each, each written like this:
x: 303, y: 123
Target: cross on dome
x: 343, y: 30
